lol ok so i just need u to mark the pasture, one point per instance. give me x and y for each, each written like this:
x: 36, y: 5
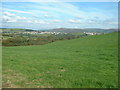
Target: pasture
x: 88, y: 62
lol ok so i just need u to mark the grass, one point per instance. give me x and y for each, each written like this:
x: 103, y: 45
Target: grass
x: 89, y: 62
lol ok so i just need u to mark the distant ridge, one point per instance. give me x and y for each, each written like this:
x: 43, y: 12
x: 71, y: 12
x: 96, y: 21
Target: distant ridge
x: 69, y: 30
x: 66, y: 30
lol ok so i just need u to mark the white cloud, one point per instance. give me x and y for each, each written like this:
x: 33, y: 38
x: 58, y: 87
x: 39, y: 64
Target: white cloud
x: 38, y: 21
x: 41, y: 22
x: 18, y: 17
x: 6, y: 17
x: 12, y: 20
x: 9, y: 14
x: 74, y: 21
x: 56, y: 14
x: 56, y: 21
x: 23, y: 12
x: 62, y: 8
x: 10, y: 17
x: 47, y: 16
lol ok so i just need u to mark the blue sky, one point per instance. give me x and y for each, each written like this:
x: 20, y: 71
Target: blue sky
x: 48, y: 15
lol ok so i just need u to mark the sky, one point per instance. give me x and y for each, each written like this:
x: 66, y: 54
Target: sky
x: 49, y: 15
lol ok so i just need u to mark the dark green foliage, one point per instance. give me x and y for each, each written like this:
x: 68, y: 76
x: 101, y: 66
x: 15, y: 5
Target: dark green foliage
x: 28, y: 39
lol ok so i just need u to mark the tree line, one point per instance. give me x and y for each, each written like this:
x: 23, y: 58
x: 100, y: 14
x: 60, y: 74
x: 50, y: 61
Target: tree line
x: 22, y: 40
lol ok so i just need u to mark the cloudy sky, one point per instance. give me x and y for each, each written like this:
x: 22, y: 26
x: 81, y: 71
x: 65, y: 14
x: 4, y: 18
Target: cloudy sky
x: 48, y: 15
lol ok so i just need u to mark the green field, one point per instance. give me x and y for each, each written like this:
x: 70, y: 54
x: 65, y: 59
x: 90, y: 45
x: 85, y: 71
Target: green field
x: 88, y: 62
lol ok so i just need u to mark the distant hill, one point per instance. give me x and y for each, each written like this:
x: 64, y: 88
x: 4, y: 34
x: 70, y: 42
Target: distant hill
x: 16, y: 30
x: 63, y: 30
x: 69, y: 30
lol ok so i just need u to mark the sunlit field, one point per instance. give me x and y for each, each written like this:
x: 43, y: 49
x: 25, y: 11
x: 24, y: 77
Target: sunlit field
x: 88, y: 62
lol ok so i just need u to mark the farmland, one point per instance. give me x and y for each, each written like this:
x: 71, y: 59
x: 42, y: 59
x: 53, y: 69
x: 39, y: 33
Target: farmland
x: 88, y: 62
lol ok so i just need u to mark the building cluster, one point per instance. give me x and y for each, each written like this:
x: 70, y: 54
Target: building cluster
x: 91, y: 33
x: 34, y: 32
x: 50, y: 33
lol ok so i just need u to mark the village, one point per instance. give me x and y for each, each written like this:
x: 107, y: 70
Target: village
x: 45, y: 32
x: 56, y: 33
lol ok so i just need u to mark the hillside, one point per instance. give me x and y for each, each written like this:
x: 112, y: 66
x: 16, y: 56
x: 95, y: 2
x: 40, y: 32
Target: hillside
x: 89, y: 62
x: 71, y: 30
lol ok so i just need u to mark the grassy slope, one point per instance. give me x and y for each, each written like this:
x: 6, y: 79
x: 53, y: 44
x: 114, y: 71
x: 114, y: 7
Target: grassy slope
x: 79, y: 63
